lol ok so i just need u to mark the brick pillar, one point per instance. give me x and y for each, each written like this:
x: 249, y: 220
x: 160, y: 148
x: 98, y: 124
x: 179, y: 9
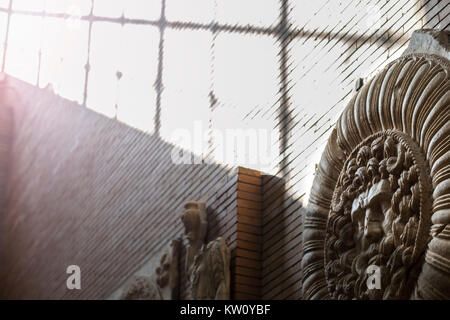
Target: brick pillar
x: 246, y: 263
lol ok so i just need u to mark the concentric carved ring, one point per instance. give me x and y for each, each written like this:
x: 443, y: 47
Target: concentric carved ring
x: 381, y: 195
x: 379, y: 217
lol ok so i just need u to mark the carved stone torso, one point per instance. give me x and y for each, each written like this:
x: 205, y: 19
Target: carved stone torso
x: 209, y: 275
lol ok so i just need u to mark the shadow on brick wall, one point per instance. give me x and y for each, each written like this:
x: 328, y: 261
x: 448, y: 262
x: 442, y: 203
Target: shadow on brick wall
x: 282, y: 235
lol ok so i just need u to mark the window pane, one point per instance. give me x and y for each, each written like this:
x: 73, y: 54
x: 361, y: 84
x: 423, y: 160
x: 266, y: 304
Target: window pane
x: 73, y: 7
x: 358, y: 17
x: 29, y: 5
x: 142, y: 9
x: 104, y: 60
x: 186, y: 81
x: 123, y: 71
x: 22, y: 57
x: 190, y: 10
x: 133, y: 9
x: 246, y: 86
x: 249, y: 12
x: 246, y: 71
x: 64, y: 52
x: 3, y: 22
x: 108, y: 8
x: 305, y: 13
x: 138, y: 65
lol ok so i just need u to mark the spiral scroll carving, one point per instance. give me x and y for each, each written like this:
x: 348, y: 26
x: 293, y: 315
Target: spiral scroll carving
x: 381, y: 195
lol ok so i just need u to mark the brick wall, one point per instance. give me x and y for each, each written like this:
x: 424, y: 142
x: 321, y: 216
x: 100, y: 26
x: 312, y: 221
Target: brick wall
x: 247, y: 260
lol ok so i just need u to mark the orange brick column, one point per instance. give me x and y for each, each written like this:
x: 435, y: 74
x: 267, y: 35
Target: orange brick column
x: 246, y: 257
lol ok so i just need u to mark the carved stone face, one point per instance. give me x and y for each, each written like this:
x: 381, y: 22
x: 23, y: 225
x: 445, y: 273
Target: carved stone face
x: 191, y: 222
x: 374, y: 220
x: 368, y: 214
x: 195, y: 228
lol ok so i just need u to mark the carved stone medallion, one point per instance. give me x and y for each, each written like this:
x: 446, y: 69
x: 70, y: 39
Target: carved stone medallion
x: 381, y: 194
x: 379, y: 216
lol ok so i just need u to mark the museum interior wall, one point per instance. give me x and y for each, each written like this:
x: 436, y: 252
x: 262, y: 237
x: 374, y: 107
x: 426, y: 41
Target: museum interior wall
x: 91, y: 182
x: 105, y: 213
x: 78, y: 193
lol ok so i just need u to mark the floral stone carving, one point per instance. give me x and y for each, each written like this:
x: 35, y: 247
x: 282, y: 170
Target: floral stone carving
x: 207, y: 266
x: 381, y: 194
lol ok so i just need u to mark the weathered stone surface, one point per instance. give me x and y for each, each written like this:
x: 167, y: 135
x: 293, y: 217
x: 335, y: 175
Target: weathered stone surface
x: 430, y: 41
x: 381, y: 195
x: 196, y: 226
x: 210, y: 273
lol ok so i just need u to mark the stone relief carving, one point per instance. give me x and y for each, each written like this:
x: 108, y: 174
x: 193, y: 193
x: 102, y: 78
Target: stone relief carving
x: 157, y: 280
x: 379, y: 200
x: 141, y: 288
x: 381, y: 195
x: 210, y: 275
x: 207, y: 266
